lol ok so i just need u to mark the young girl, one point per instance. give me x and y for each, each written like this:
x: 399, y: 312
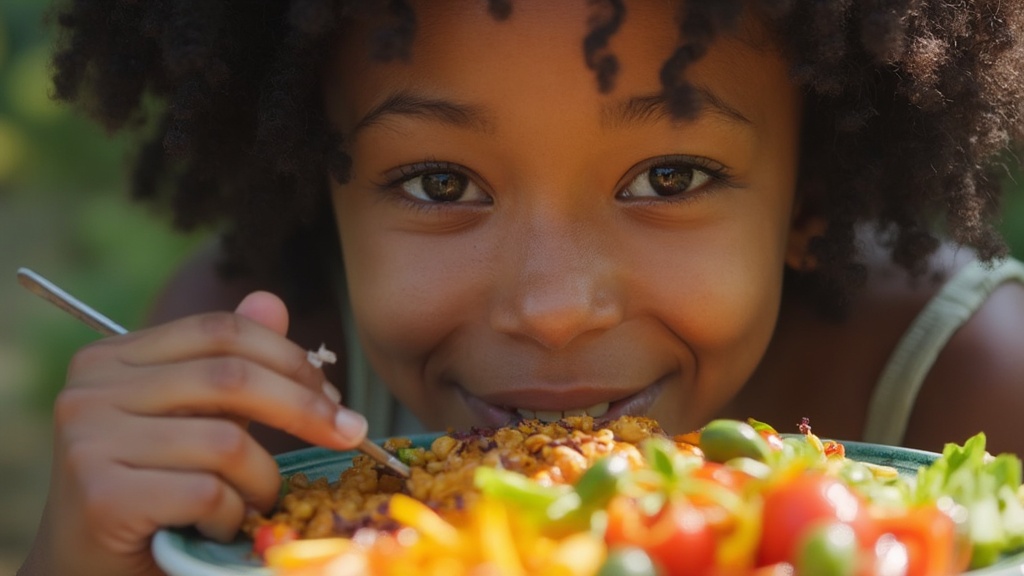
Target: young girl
x: 682, y: 209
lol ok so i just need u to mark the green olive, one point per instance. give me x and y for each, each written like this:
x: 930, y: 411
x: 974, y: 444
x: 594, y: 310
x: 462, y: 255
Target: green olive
x: 723, y: 440
x: 600, y: 482
x: 828, y: 550
x: 628, y: 561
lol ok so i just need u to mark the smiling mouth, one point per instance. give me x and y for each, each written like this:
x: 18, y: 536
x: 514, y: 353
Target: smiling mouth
x: 496, y: 416
x: 595, y: 411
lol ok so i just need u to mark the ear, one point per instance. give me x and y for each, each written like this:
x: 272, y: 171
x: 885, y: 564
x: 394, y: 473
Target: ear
x: 798, y: 250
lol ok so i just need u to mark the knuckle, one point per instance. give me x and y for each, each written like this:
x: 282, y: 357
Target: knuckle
x: 221, y: 329
x: 229, y: 374
x: 70, y: 404
x: 228, y: 442
x: 310, y: 409
x: 304, y: 372
x: 88, y: 357
x: 208, y: 492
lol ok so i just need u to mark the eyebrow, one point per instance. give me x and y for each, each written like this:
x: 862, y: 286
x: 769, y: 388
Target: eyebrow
x: 652, y: 108
x: 636, y: 110
x: 404, y: 103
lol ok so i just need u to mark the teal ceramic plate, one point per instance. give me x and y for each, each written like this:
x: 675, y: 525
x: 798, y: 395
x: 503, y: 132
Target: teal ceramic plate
x: 186, y: 553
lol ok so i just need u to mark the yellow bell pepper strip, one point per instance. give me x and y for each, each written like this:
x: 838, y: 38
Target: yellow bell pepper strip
x: 494, y: 534
x: 415, y: 514
x: 300, y: 557
x: 580, y: 554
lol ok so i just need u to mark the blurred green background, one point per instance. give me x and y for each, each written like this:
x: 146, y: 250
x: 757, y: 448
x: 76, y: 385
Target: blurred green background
x: 62, y: 212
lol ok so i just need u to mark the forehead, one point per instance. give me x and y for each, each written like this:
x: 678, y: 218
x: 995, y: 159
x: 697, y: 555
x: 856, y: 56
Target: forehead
x: 458, y: 46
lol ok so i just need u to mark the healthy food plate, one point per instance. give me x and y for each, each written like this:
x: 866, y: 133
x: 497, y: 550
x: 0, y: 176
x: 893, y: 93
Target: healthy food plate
x: 187, y: 553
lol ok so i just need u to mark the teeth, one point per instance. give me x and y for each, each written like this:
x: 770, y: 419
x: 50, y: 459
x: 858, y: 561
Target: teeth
x: 549, y: 416
x: 554, y: 416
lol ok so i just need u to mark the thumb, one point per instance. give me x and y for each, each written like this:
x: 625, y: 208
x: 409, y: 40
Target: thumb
x: 265, y: 308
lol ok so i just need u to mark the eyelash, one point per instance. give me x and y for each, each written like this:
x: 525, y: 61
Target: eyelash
x: 394, y: 179
x: 718, y: 174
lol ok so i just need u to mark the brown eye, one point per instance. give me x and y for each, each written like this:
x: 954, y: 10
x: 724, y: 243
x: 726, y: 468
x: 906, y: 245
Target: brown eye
x: 666, y: 181
x: 443, y: 187
x: 670, y: 180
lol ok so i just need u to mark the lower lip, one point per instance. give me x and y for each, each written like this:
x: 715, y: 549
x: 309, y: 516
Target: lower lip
x: 492, y: 416
x: 638, y: 404
x: 487, y: 414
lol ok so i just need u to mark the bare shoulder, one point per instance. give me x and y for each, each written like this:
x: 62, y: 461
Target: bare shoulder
x: 977, y: 382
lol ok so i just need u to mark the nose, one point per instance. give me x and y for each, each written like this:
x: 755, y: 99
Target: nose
x: 558, y: 282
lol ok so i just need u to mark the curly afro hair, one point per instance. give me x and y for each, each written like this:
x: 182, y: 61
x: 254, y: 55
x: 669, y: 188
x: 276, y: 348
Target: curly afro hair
x: 910, y: 108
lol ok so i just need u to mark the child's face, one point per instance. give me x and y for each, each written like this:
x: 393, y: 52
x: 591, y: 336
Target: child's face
x: 515, y: 239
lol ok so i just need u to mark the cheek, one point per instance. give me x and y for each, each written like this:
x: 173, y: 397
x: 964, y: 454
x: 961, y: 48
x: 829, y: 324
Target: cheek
x: 726, y: 295
x: 408, y: 291
x: 718, y: 290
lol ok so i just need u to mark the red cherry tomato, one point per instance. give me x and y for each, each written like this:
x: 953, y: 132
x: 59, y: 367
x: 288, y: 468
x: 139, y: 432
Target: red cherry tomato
x: 269, y: 535
x: 798, y: 504
x: 930, y: 538
x: 722, y: 475
x: 682, y: 541
x: 678, y: 539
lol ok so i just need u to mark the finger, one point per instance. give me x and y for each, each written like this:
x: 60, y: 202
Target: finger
x: 206, y: 501
x: 226, y: 512
x: 266, y: 309
x: 124, y: 505
x: 206, y: 444
x: 218, y: 334
x: 239, y: 387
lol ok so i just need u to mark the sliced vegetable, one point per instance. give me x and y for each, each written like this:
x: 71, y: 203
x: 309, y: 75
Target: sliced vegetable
x: 748, y: 503
x: 929, y: 536
x: 794, y: 506
x: 678, y: 538
x: 628, y: 562
x: 723, y: 440
x: 829, y: 549
x: 988, y: 487
x: 411, y: 512
x: 269, y: 535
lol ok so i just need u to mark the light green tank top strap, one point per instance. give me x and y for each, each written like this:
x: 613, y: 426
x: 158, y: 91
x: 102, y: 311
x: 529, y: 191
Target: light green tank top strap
x: 893, y: 398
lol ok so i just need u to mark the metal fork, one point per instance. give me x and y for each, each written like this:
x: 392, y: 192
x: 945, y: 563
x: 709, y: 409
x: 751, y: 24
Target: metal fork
x: 50, y: 292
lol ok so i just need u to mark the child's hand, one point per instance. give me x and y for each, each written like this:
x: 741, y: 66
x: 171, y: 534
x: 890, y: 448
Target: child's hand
x: 150, y: 432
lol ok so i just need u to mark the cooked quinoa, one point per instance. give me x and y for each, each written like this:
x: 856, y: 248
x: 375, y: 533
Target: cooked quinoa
x: 442, y: 474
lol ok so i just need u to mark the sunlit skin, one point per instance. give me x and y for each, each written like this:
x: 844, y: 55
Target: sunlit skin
x: 555, y: 277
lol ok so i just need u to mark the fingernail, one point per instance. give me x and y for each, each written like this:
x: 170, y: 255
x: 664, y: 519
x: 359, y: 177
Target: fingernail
x: 351, y: 425
x: 332, y: 392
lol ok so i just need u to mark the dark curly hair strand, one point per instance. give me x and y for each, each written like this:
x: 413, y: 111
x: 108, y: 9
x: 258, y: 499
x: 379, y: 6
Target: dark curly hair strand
x: 910, y: 106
